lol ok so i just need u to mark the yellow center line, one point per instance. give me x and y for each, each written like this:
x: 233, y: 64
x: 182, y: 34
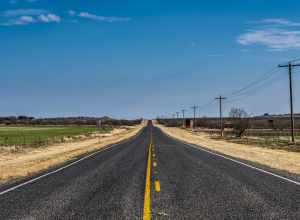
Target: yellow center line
x: 147, y: 200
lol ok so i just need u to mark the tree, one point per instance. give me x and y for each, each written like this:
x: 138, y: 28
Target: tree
x: 240, y: 121
x: 238, y: 113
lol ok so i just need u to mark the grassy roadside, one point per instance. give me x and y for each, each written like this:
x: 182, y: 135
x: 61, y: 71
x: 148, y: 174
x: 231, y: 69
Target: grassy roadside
x: 29, y: 161
x: 35, y: 136
x: 274, y: 158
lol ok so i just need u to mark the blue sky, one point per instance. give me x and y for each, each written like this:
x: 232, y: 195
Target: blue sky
x: 129, y: 59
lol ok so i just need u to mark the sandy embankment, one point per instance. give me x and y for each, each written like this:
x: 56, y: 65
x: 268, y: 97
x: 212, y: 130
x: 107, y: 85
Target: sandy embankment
x: 277, y: 159
x: 14, y: 165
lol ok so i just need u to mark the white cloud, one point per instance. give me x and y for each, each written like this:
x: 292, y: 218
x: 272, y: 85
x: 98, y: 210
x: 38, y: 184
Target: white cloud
x: 48, y: 18
x: 279, y: 21
x: 27, y: 19
x: 284, y: 37
x: 22, y: 20
x: 27, y: 16
x: 279, y: 39
x: 102, y: 18
x: 19, y: 12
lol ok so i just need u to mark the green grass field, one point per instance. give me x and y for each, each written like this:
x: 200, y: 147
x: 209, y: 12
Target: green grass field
x: 41, y: 135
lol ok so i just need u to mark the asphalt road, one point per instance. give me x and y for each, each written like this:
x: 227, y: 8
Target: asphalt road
x: 194, y: 184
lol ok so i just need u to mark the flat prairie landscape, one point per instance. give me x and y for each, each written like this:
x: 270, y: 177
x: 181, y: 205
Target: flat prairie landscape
x: 38, y: 135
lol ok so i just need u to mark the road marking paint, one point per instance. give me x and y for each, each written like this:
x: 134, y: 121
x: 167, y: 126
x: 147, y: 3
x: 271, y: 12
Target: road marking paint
x: 153, y: 155
x: 69, y: 165
x: 147, y: 200
x: 157, y: 186
x: 154, y: 164
x: 197, y: 147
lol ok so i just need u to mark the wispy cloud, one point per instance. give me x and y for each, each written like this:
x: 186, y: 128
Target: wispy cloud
x: 17, y: 1
x: 19, y: 12
x: 48, y: 18
x: 275, y: 34
x: 27, y: 16
x: 98, y: 18
x: 102, y: 18
x: 279, y: 21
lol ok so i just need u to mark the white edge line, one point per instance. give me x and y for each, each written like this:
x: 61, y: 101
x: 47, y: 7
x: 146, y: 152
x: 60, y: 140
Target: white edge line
x: 64, y: 167
x: 195, y: 146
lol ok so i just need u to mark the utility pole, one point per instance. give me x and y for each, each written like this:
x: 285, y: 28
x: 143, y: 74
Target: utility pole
x: 177, y: 114
x: 194, y: 109
x: 183, y: 111
x: 292, y: 120
x: 220, y: 98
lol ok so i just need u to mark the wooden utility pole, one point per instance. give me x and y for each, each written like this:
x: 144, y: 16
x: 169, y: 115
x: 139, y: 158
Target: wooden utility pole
x: 220, y: 98
x: 194, y: 110
x: 183, y: 111
x: 292, y: 120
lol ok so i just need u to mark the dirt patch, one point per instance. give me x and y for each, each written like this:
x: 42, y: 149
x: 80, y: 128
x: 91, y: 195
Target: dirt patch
x: 274, y: 158
x: 18, y: 163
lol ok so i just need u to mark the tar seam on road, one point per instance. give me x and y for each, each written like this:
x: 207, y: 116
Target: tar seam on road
x: 197, y: 147
x: 155, y: 173
x: 64, y: 167
x: 157, y: 186
x: 154, y: 164
x: 147, y: 200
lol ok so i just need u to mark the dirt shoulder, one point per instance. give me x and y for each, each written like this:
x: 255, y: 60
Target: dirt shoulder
x: 274, y: 158
x: 16, y: 165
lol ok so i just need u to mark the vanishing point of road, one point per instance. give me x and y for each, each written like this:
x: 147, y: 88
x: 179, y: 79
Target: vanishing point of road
x: 152, y: 176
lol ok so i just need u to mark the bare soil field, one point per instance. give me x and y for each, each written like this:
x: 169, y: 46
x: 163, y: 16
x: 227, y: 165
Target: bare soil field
x: 274, y: 158
x: 15, y: 164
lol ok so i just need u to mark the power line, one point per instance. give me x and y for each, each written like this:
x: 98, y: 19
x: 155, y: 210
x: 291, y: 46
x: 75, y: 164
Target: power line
x: 254, y: 90
x: 206, y: 105
x: 263, y: 78
x: 291, y: 61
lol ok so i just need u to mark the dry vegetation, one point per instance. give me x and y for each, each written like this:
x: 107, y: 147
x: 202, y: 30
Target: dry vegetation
x: 20, y: 163
x: 274, y: 158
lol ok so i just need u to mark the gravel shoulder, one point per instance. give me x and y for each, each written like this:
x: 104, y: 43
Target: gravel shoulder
x: 273, y: 158
x: 17, y: 165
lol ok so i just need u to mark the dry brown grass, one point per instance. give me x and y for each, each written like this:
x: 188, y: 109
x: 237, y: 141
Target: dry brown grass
x: 274, y: 158
x: 25, y: 162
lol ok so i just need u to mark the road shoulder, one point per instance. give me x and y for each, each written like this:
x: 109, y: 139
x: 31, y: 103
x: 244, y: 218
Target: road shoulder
x: 283, y: 162
x: 19, y: 166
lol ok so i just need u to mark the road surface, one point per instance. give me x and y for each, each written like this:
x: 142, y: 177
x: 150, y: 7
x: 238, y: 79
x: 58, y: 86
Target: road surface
x: 184, y: 183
